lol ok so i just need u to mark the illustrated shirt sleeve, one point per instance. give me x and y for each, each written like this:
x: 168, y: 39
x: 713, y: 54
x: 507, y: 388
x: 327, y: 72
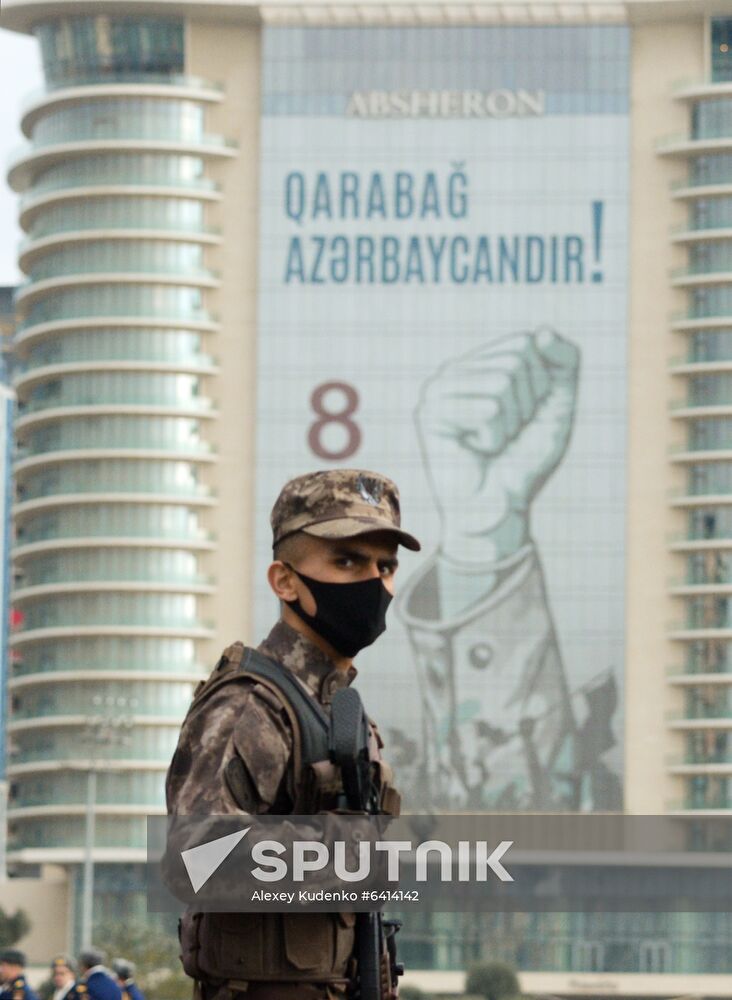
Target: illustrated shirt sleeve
x: 498, y: 726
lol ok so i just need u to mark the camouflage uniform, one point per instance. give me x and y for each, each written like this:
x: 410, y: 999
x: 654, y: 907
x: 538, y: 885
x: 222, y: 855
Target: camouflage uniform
x: 235, y: 755
x: 245, y: 722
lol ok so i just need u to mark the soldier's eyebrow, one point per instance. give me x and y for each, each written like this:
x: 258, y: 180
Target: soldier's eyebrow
x: 348, y: 552
x: 363, y: 556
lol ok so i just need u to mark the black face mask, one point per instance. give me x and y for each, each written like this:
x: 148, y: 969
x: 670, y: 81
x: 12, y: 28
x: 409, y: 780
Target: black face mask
x: 349, y: 616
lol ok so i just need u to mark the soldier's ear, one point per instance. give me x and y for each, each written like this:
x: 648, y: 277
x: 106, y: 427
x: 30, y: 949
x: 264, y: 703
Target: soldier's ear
x: 282, y: 581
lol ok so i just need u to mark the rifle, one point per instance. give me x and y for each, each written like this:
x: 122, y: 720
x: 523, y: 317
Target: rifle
x: 349, y: 749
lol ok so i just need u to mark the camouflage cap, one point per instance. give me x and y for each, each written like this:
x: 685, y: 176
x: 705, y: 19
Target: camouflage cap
x: 339, y: 503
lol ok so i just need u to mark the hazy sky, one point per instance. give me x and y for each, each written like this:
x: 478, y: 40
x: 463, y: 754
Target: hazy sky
x: 20, y: 74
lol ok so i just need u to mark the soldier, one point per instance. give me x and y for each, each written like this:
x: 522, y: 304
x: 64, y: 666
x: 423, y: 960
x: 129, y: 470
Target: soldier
x: 335, y: 539
x: 12, y: 976
x: 96, y: 983
x: 63, y: 973
x: 125, y: 972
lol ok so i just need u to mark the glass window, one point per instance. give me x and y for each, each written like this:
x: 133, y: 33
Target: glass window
x: 84, y: 49
x: 139, y: 344
x: 122, y: 212
x: 118, y: 520
x: 124, y: 168
x: 121, y: 118
x: 110, y: 652
x: 721, y: 49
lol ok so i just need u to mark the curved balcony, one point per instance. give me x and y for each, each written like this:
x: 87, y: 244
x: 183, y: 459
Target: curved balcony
x: 111, y: 541
x: 685, y: 410
x: 178, y: 480
x: 30, y: 291
x: 101, y: 75
x: 114, y: 567
x: 680, y: 677
x: 25, y: 163
x: 51, y: 459
x: 699, y: 90
x: 699, y: 453
x: 701, y: 763
x: 689, y: 323
x: 42, y: 102
x: 63, y: 632
x: 31, y: 376
x: 693, y: 188
x: 70, y: 788
x: 140, y: 520
x: 694, y: 235
x: 680, y: 722
x: 702, y: 768
x: 111, y: 654
x: 33, y: 202
x: 80, y: 720
x: 93, y: 387
x: 22, y: 511
x: 123, y: 257
x: 49, y: 615
x: 126, y: 169
x: 130, y: 433
x: 179, y: 305
x: 170, y: 261
x: 700, y: 277
x: 698, y: 367
x: 117, y: 838
x: 33, y: 247
x: 42, y: 331
x: 70, y: 802
x: 20, y: 853
x: 682, y: 633
x: 34, y: 812
x: 47, y: 419
x: 121, y: 117
x: 121, y: 213
x: 138, y: 696
x: 33, y: 682
x: 179, y: 349
x: 692, y: 808
x: 81, y: 763
x: 61, y: 743
x: 700, y: 499
x: 685, y: 145
x: 716, y: 579
x: 38, y: 719
x: 119, y: 605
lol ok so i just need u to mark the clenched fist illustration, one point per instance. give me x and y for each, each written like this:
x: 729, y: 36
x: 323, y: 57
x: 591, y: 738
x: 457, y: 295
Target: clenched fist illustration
x: 493, y: 425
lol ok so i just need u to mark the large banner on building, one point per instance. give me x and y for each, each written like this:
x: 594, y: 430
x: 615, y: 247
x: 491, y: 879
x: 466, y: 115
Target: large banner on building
x: 443, y: 299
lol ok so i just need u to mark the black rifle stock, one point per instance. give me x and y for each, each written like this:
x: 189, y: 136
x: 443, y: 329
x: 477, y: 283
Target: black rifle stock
x: 349, y: 749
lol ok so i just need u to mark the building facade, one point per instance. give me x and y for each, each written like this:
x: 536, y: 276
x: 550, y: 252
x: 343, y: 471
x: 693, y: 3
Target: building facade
x: 7, y: 399
x: 265, y: 238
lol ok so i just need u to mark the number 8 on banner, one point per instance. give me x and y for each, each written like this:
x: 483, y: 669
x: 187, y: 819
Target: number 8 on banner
x: 340, y: 418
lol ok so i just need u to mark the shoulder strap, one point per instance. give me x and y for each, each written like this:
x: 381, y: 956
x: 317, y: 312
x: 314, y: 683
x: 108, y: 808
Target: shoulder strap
x: 313, y: 722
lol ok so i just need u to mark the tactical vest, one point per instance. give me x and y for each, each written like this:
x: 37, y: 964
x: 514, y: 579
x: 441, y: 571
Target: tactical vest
x: 233, y: 949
